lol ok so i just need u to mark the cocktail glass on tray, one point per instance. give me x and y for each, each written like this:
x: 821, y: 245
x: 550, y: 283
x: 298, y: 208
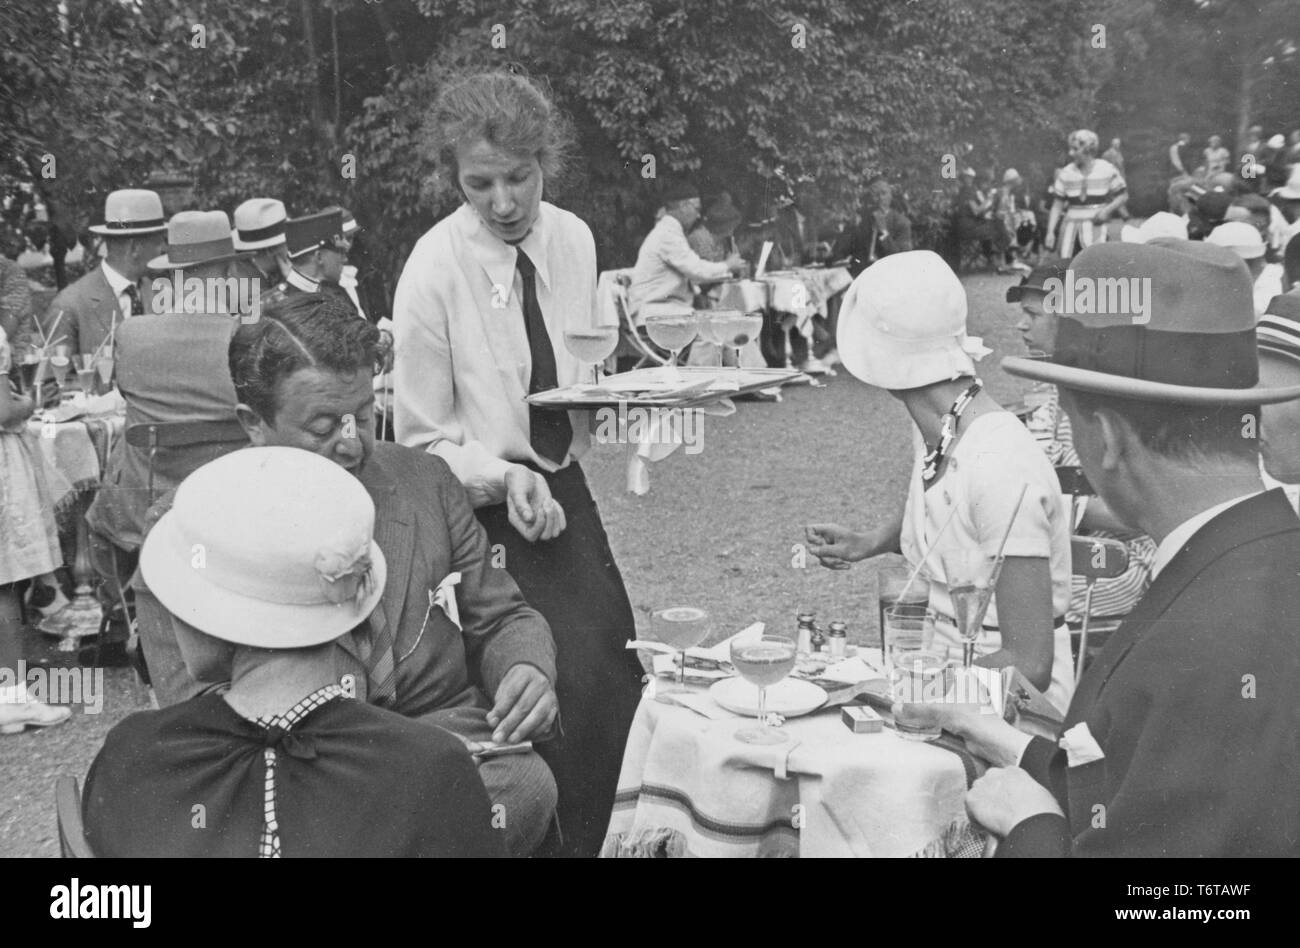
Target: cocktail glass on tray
x: 674, y: 332
x: 739, y: 330
x: 592, y: 346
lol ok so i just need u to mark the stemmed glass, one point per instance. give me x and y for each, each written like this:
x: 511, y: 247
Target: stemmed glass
x: 740, y: 329
x: 712, y: 324
x: 763, y: 663
x: 972, y: 576
x: 592, y: 346
x: 682, y: 627
x: 674, y: 332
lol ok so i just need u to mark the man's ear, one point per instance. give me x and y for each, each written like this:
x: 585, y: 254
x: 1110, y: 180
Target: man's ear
x: 1116, y: 437
x: 253, y: 425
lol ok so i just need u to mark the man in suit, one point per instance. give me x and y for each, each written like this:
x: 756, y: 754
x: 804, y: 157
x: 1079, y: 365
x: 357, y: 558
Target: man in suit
x: 170, y: 367
x: 133, y: 232
x: 1180, y: 739
x: 452, y: 642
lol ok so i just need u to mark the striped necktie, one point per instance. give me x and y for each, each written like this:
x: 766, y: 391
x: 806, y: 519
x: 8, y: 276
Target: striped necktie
x: 137, y: 304
x: 375, y: 645
x: 549, y: 432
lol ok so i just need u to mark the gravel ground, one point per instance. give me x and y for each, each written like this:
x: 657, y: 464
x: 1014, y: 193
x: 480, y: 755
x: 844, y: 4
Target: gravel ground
x: 718, y: 529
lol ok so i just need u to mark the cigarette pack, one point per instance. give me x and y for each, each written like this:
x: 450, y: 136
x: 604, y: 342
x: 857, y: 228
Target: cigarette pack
x: 861, y: 720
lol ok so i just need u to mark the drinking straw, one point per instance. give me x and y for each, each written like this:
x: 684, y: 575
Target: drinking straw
x: 933, y: 543
x: 1012, y: 522
x: 45, y: 337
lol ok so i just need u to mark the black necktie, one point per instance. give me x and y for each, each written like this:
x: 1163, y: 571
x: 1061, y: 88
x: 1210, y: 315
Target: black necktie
x: 137, y: 304
x: 549, y: 431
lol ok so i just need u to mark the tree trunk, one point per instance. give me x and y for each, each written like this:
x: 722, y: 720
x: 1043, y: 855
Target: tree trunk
x: 319, y: 123
x: 1246, y: 96
x: 393, y: 39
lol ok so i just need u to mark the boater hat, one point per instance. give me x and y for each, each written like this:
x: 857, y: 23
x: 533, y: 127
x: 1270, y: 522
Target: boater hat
x: 131, y: 213
x: 1239, y: 237
x: 313, y: 231
x: 259, y: 224
x: 195, y: 237
x: 270, y: 547
x: 1186, y: 335
x: 903, y: 324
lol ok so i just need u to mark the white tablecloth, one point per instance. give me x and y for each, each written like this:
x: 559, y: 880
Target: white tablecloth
x: 689, y: 788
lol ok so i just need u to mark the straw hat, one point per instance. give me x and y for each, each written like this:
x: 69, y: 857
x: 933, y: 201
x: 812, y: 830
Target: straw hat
x: 1291, y: 189
x: 259, y: 224
x: 1239, y: 237
x: 131, y: 213
x: 1194, y: 343
x: 903, y: 324
x: 195, y: 237
x: 269, y: 547
x: 1159, y: 224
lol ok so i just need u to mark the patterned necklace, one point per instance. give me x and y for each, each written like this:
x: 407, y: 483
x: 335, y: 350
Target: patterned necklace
x: 948, y: 431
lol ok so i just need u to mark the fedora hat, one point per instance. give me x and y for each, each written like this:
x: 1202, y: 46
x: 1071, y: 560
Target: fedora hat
x: 1183, y: 333
x: 245, y: 554
x: 131, y: 213
x: 1290, y: 190
x: 1035, y: 278
x: 313, y: 231
x: 903, y: 323
x: 195, y: 237
x: 1159, y: 224
x: 259, y: 224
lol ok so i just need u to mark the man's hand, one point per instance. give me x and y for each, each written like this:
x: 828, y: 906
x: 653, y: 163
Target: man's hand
x: 987, y: 736
x: 1007, y: 796
x: 736, y: 264
x: 525, y: 705
x: 532, y: 510
x: 834, y: 546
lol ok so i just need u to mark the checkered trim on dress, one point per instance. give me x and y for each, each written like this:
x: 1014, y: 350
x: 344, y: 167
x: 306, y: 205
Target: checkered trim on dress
x: 268, y: 847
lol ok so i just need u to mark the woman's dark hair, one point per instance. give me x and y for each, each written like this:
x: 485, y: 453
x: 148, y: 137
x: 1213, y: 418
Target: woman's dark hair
x: 307, y: 331
x: 507, y: 110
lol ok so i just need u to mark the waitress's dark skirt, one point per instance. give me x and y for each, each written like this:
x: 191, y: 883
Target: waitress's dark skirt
x: 574, y: 582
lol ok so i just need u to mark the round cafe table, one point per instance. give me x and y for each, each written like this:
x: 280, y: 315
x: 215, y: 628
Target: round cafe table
x: 688, y: 787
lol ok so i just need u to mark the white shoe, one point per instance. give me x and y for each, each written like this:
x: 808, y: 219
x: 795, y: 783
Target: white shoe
x: 17, y: 711
x: 816, y: 367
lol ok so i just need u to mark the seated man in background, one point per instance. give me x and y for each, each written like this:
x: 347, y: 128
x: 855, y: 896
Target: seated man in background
x: 666, y: 266
x: 1181, y: 737
x: 170, y: 367
x: 451, y: 642
x: 284, y: 762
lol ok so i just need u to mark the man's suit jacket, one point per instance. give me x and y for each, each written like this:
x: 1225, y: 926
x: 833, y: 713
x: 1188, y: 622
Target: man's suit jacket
x: 1195, y: 703
x: 171, y: 367
x: 89, y: 308
x: 426, y: 529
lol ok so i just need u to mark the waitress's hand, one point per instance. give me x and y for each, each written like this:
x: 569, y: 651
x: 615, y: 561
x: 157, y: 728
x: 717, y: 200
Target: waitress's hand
x: 836, y: 547
x: 532, y: 510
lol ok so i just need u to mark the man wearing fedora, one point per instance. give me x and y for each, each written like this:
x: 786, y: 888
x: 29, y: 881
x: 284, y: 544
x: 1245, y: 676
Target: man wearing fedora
x: 1278, y: 334
x: 1180, y: 739
x: 259, y: 232
x: 170, y: 367
x: 318, y: 252
x: 133, y: 232
x: 284, y: 762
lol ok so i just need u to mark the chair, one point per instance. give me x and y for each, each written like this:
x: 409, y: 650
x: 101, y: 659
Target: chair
x: 1094, y: 558
x: 72, y: 833
x: 180, y: 434
x: 630, y: 338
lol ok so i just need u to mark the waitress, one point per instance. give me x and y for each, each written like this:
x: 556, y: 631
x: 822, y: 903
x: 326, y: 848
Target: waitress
x: 480, y: 314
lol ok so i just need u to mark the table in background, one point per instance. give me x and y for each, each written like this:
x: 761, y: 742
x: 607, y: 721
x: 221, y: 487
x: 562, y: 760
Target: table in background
x: 688, y: 787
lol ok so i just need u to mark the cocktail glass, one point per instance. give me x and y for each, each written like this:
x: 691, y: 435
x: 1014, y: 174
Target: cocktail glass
x: 763, y: 663
x: 971, y: 576
x: 682, y: 627
x: 592, y: 346
x: 674, y: 332
x: 740, y: 329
